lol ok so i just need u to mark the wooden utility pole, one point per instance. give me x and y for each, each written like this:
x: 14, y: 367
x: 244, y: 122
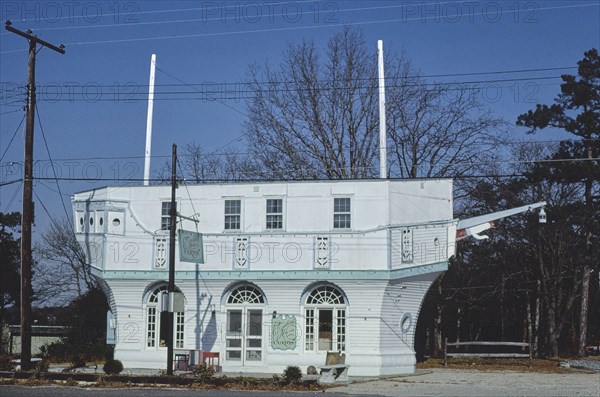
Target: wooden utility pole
x: 27, y: 215
x: 171, y: 287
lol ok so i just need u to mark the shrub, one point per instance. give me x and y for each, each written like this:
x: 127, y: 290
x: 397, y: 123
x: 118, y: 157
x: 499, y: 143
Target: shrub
x: 6, y: 363
x: 43, y: 365
x: 77, y: 361
x: 113, y: 367
x: 292, y: 374
x: 204, y: 372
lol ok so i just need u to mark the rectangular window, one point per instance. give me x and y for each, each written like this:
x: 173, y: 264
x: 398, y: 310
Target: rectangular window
x: 310, y: 334
x: 233, y: 212
x: 341, y: 330
x: 341, y: 213
x: 179, y: 330
x: 274, y: 214
x: 254, y: 336
x: 234, y: 335
x: 151, y: 332
x: 325, y: 329
x: 165, y: 215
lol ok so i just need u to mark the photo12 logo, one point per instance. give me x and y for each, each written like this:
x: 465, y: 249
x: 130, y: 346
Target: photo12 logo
x: 270, y: 12
x: 70, y: 11
x: 470, y: 11
x: 74, y: 91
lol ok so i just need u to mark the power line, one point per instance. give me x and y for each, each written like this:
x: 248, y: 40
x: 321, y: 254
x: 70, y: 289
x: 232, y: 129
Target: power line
x: 13, y: 137
x: 222, y: 19
x: 46, y: 210
x: 17, y: 190
x: 215, y: 152
x: 372, y: 79
x: 294, y: 28
x: 181, y: 81
x: 152, y: 12
x: 211, y: 95
x: 51, y: 162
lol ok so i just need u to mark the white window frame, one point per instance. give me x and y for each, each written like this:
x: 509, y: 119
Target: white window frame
x: 347, y: 213
x: 152, y: 315
x: 247, y: 301
x: 312, y: 324
x: 274, y: 214
x: 164, y: 217
x: 239, y: 215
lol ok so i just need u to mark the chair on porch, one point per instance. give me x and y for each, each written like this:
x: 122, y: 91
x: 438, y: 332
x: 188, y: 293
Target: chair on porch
x: 212, y: 359
x: 181, y: 362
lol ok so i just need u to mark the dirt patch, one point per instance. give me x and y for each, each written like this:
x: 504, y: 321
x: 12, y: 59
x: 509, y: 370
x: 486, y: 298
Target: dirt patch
x: 499, y: 364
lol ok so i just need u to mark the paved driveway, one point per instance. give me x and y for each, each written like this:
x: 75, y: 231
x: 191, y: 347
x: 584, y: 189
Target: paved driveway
x: 472, y: 383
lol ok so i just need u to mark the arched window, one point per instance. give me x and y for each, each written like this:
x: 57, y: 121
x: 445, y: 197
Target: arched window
x: 157, y: 323
x: 245, y: 305
x: 325, y: 319
x: 245, y: 294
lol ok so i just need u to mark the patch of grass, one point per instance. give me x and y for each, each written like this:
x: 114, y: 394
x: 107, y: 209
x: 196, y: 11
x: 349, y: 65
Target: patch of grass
x: 497, y: 364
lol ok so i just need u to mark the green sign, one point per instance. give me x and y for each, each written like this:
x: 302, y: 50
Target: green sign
x: 191, y: 248
x: 283, y: 332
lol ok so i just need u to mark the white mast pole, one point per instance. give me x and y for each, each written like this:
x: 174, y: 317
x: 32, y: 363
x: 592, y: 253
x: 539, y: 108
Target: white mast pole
x: 149, y: 122
x: 382, y: 123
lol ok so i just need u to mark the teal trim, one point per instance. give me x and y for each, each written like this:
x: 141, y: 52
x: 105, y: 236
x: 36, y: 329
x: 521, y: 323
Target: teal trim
x: 317, y: 275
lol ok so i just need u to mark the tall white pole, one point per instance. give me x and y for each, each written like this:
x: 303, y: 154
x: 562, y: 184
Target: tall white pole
x: 149, y: 122
x: 382, y: 124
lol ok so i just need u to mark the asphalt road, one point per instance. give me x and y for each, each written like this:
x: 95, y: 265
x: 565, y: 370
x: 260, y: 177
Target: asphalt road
x: 59, y: 391
x: 426, y: 383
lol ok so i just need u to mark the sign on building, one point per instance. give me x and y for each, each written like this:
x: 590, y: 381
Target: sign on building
x: 191, y: 247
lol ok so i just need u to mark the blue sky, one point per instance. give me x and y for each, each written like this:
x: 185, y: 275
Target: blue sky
x: 92, y: 104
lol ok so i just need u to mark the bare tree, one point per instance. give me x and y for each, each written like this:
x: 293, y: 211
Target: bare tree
x: 313, y: 117
x: 195, y: 165
x: 62, y: 267
x: 437, y: 130
x: 317, y: 117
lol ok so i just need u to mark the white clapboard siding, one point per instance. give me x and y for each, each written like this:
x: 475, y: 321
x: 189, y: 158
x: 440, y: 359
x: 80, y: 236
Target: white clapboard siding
x: 402, y: 296
x: 427, y: 245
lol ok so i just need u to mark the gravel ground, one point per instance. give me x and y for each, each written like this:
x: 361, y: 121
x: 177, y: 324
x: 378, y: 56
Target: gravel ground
x: 593, y: 365
x: 472, y: 383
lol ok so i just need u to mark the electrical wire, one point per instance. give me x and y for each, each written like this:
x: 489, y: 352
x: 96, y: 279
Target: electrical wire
x: 13, y: 138
x: 154, y: 12
x: 222, y: 19
x: 220, y: 101
x: 212, y: 95
x: 51, y: 163
x: 294, y: 28
x: 17, y: 190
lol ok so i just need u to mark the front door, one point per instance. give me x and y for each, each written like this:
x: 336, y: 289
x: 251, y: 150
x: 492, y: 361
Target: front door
x: 244, y: 335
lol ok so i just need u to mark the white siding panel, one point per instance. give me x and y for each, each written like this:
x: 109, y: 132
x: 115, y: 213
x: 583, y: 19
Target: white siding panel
x: 402, y: 296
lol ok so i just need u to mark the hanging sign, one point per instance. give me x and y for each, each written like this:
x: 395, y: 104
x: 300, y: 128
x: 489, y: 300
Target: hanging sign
x: 191, y: 248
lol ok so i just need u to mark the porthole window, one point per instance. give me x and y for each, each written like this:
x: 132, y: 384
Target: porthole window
x: 406, y: 323
x: 91, y: 221
x: 81, y: 221
x: 116, y: 222
x: 101, y: 221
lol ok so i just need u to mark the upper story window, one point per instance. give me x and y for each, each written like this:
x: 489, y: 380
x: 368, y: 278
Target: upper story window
x: 341, y: 213
x: 274, y: 214
x: 165, y: 215
x: 233, y: 212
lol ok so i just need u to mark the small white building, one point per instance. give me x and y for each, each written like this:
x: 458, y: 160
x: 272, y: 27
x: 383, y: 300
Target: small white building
x: 291, y: 269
